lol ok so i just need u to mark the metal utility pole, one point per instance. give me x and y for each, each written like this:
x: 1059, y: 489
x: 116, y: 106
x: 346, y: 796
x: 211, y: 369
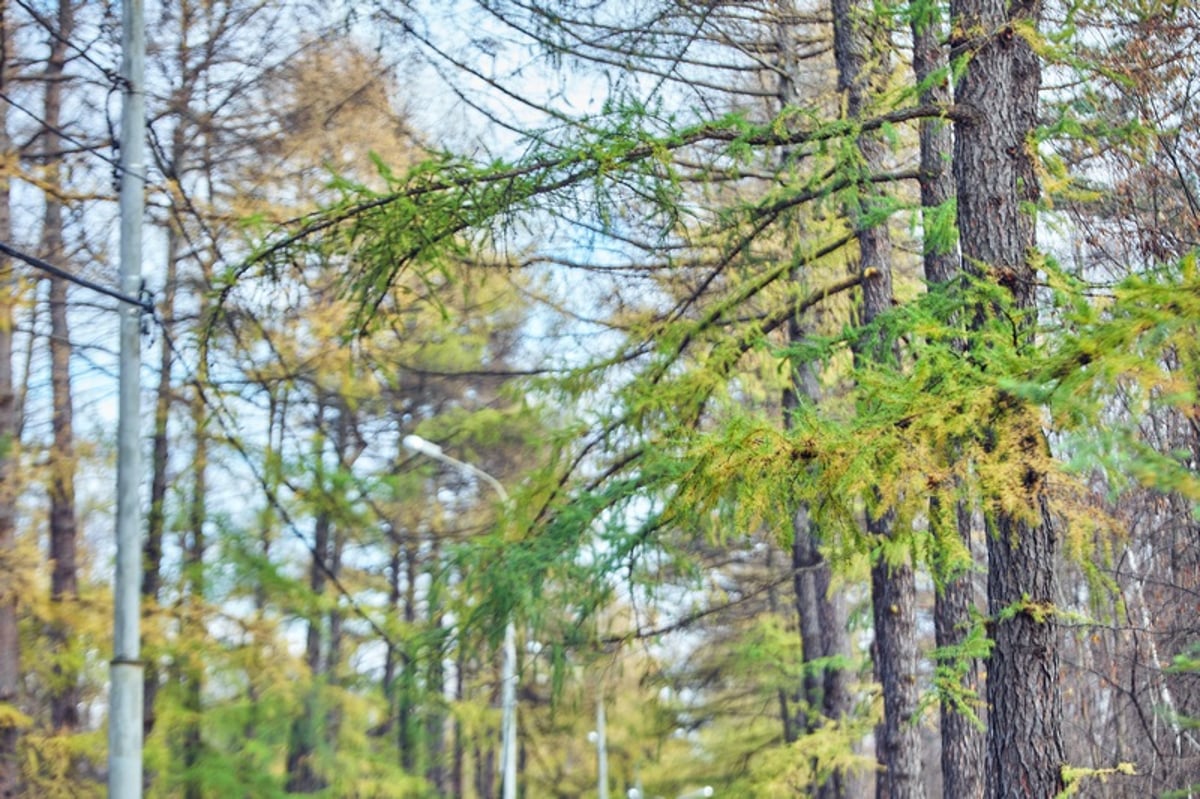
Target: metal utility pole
x: 125, y: 697
x: 508, y: 668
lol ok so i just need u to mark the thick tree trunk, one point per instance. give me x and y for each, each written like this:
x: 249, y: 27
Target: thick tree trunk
x: 64, y: 587
x: 962, y: 741
x: 898, y: 741
x: 995, y: 177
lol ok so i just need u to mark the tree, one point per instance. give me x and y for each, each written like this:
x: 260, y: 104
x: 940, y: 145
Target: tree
x: 729, y: 278
x: 962, y: 740
x: 996, y: 179
x: 63, y: 534
x: 10, y: 649
x: 735, y: 387
x: 862, y: 52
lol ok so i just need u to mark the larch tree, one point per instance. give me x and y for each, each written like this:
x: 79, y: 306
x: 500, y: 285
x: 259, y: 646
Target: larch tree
x: 703, y: 325
x: 862, y: 51
x: 732, y: 276
x: 63, y: 526
x: 750, y: 363
x: 962, y: 737
x: 996, y: 177
x: 821, y: 611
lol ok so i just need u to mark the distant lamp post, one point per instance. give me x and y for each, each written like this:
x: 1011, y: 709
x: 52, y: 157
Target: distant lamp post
x: 508, y: 668
x: 599, y: 737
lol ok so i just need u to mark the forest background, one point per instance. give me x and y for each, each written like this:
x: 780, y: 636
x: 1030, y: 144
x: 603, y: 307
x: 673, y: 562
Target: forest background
x: 840, y: 360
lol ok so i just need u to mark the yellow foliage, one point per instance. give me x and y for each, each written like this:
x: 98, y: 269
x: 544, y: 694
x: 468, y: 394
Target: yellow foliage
x: 11, y: 716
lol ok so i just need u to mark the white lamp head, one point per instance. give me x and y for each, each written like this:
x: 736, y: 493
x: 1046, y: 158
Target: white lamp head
x: 421, y: 446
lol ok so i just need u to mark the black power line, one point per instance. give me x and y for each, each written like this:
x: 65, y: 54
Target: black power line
x: 143, y: 302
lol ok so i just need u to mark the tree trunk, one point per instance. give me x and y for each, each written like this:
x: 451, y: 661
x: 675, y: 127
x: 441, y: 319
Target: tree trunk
x: 861, y: 46
x: 194, y: 550
x: 898, y: 741
x: 962, y: 741
x: 409, y: 719
x: 821, y: 616
x: 393, y: 653
x: 64, y: 586
x: 10, y: 644
x: 458, y: 777
x: 787, y: 716
x: 435, y: 717
x: 152, y: 550
x: 995, y: 177
x: 322, y: 656
x: 302, y: 745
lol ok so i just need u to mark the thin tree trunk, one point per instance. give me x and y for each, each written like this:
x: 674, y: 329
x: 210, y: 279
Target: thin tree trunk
x: 435, y: 719
x: 302, y: 746
x: 485, y: 772
x: 10, y: 644
x: 393, y: 655
x: 786, y: 714
x: 64, y: 586
x: 333, y: 655
x: 861, y: 45
x: 272, y: 478
x: 821, y: 616
x: 458, y: 777
x: 962, y: 740
x: 152, y: 550
x: 995, y: 178
x: 409, y: 719
x: 307, y: 728
x: 193, y: 742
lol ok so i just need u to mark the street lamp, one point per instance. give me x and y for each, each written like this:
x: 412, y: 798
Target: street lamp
x: 508, y: 667
x: 599, y: 737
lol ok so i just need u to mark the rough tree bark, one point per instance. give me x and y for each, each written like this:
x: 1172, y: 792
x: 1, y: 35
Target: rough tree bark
x: 861, y: 46
x: 194, y: 549
x: 962, y: 741
x: 995, y: 178
x: 821, y: 615
x: 64, y: 586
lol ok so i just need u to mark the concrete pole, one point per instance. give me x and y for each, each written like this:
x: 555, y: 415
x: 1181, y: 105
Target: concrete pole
x: 125, y: 697
x: 508, y: 667
x: 508, y: 710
